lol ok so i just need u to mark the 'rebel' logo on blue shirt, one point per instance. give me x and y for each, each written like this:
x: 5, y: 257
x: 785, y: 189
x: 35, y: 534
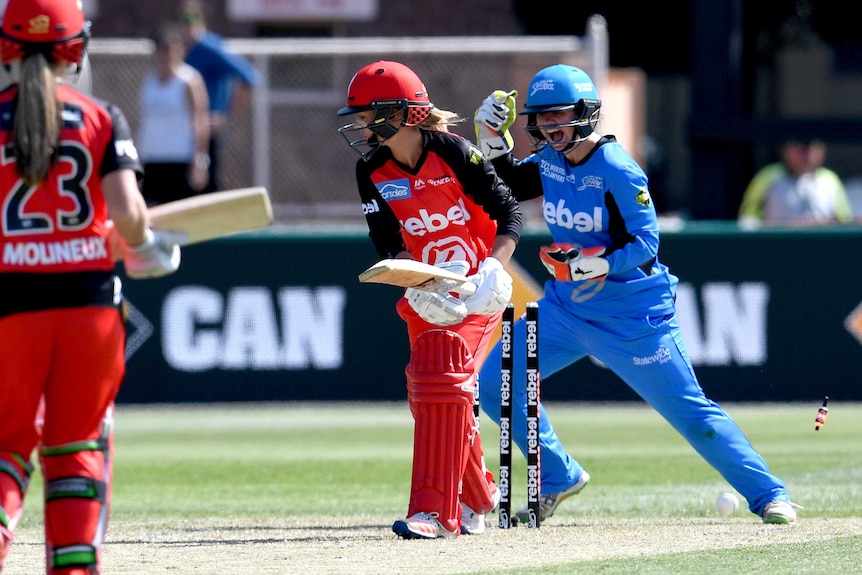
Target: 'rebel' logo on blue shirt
x: 395, y: 190
x: 561, y: 215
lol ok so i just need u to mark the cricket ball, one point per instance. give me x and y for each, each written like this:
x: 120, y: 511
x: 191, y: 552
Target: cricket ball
x: 727, y: 504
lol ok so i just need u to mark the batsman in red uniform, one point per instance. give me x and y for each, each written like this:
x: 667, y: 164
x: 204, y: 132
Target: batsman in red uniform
x: 430, y: 195
x: 68, y: 193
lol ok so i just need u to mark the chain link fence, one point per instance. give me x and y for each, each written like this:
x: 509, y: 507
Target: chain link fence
x: 286, y: 139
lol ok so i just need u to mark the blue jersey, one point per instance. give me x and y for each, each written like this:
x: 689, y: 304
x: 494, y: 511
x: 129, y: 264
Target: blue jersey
x: 219, y: 69
x: 626, y: 321
x: 603, y: 201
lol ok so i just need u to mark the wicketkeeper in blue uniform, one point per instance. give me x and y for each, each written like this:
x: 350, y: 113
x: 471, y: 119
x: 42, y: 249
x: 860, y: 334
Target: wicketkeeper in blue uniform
x: 610, y: 297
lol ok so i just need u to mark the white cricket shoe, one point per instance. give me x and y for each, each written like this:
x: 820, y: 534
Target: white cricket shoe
x: 549, y: 503
x: 473, y: 523
x: 421, y: 526
x: 781, y: 512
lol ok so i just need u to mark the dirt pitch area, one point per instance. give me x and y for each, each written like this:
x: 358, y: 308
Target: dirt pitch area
x: 363, y: 547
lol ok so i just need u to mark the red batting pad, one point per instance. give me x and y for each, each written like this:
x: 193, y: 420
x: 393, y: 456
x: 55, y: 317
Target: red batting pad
x: 440, y: 385
x: 477, y: 490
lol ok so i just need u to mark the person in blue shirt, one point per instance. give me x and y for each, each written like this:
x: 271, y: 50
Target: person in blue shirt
x: 609, y: 296
x: 229, y: 78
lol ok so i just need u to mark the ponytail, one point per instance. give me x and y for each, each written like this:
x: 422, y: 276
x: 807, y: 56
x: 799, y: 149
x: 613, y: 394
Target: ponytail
x: 37, y: 119
x: 440, y: 119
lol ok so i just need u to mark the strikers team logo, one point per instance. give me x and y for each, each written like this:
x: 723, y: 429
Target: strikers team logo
x: 541, y: 86
x: 591, y: 181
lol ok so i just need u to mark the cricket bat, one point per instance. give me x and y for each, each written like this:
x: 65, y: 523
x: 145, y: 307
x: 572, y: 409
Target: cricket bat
x: 208, y: 216
x: 214, y: 215
x: 415, y: 274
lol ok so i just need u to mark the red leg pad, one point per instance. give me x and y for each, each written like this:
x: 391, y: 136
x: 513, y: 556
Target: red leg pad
x: 78, y: 487
x: 440, y: 384
x: 14, y: 479
x: 5, y: 543
x: 478, y: 489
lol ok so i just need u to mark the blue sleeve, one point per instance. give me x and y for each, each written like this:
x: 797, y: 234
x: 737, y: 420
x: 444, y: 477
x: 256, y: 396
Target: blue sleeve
x: 240, y: 68
x: 629, y: 191
x: 212, y: 60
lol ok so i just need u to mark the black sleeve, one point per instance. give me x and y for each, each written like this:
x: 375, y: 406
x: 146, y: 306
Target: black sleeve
x: 480, y: 181
x: 120, y: 152
x: 524, y: 179
x: 383, y: 227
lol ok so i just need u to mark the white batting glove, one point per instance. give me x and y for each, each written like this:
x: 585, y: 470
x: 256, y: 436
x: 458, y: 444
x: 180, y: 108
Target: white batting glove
x: 438, y: 308
x: 493, y: 288
x: 492, y: 121
x: 567, y: 263
x: 441, y: 285
x: 157, y: 256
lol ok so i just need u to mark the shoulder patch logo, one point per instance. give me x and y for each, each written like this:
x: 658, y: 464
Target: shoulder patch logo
x: 643, y: 198
x: 476, y: 156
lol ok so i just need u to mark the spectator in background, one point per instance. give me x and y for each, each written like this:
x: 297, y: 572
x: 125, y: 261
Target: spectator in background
x: 798, y: 190
x: 853, y: 186
x: 173, y: 138
x: 229, y: 78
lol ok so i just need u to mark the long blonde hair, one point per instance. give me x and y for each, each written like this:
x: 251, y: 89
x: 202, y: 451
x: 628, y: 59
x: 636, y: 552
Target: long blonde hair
x: 439, y: 119
x: 36, y: 132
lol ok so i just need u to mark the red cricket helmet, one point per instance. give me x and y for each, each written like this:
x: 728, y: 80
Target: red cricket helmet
x: 56, y: 28
x: 386, y: 85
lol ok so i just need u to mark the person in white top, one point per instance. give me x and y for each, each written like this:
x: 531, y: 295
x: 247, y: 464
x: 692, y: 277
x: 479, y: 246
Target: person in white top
x: 174, y: 131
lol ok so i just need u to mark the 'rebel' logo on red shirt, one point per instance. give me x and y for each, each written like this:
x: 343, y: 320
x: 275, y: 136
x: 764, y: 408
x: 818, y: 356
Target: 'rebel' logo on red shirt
x: 428, y: 222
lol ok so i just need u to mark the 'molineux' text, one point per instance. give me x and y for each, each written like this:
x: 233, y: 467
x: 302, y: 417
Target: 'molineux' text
x: 30, y: 254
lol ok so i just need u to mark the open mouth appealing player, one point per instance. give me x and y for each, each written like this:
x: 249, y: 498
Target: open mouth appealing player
x: 431, y: 195
x: 609, y: 295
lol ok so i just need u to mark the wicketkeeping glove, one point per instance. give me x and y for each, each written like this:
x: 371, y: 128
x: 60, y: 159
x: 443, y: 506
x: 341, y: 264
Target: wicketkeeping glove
x: 492, y: 121
x: 493, y: 288
x: 566, y: 263
x: 157, y: 256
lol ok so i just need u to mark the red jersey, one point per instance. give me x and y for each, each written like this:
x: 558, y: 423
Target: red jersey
x: 59, y: 225
x: 451, y: 206
x: 54, y: 251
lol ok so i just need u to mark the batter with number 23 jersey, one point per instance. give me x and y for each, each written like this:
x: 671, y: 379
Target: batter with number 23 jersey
x: 70, y: 208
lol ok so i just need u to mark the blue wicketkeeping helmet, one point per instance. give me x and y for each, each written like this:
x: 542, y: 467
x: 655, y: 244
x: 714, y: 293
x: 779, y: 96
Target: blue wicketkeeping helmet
x: 562, y: 87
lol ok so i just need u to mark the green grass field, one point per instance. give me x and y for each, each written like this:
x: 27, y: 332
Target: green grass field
x: 288, y: 488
